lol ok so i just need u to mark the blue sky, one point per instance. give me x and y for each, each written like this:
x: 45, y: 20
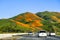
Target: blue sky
x: 10, y: 8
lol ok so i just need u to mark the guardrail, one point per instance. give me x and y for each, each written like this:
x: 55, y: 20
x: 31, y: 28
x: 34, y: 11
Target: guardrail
x: 10, y: 35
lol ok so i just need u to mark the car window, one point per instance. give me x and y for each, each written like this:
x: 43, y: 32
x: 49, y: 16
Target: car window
x: 42, y: 31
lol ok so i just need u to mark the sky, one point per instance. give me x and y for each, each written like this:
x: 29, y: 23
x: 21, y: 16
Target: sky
x: 10, y: 8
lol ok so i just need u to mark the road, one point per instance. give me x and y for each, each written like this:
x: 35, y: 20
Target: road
x: 37, y: 38
x: 33, y: 37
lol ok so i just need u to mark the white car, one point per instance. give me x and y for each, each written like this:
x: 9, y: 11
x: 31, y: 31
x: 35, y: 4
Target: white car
x: 42, y: 33
x: 30, y: 33
x: 52, y: 34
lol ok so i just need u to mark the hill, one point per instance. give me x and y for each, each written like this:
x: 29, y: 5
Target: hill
x: 30, y: 19
x: 51, y: 20
x: 30, y: 22
x: 7, y: 26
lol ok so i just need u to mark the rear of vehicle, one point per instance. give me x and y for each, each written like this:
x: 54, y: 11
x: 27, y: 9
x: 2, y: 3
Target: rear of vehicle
x: 42, y: 34
x: 52, y: 34
x: 30, y: 33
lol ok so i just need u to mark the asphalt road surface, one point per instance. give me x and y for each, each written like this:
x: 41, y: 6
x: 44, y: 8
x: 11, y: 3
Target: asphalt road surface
x: 37, y: 38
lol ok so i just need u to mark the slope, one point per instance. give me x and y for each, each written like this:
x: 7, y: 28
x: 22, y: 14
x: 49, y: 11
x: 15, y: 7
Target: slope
x: 51, y: 20
x: 7, y: 26
x: 30, y: 19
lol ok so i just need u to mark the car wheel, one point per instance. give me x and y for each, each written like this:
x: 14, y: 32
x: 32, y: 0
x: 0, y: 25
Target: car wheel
x: 38, y: 36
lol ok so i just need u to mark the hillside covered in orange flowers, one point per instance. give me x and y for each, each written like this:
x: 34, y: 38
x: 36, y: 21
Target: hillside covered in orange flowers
x: 32, y: 22
x: 29, y: 20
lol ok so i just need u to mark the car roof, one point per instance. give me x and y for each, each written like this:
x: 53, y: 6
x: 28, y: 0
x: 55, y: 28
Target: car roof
x: 42, y: 30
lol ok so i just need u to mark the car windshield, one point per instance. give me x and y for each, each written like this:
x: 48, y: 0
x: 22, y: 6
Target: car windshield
x: 42, y: 32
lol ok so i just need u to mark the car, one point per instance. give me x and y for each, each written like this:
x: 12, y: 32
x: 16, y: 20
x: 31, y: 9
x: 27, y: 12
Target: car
x: 30, y: 33
x: 52, y: 34
x: 42, y: 33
